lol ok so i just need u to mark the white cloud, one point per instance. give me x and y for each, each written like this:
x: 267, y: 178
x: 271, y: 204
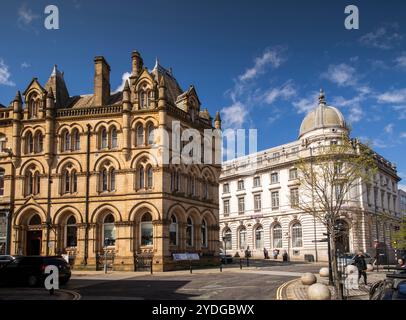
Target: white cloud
x: 394, y: 96
x: 25, y: 65
x: 5, y: 74
x: 25, y: 15
x: 356, y: 114
x: 284, y: 92
x: 385, y: 37
x: 273, y: 57
x: 341, y: 74
x: 401, y: 110
x: 403, y: 135
x: 402, y: 187
x: 234, y: 115
x: 401, y: 60
x: 389, y: 128
x: 308, y: 103
x: 124, y: 78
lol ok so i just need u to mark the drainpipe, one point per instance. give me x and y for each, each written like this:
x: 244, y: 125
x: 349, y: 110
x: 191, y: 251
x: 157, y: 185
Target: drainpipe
x: 49, y: 222
x: 86, y: 253
x: 9, y: 213
x: 314, y: 217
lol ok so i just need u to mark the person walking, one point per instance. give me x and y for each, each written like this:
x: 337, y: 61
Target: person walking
x: 359, y: 262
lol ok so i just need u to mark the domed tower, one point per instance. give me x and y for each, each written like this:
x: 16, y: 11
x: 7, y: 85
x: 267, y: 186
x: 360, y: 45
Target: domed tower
x: 323, y: 122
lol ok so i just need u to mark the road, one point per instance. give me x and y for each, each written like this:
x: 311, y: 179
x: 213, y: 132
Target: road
x: 255, y: 283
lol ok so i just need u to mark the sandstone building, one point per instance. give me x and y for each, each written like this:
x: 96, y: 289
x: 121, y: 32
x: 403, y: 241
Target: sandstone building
x: 84, y: 174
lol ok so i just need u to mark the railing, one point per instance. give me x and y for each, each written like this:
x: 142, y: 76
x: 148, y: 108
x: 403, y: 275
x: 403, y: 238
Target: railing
x: 89, y: 111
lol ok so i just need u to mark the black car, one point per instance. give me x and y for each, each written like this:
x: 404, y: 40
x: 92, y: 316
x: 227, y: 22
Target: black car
x: 5, y: 259
x: 31, y: 270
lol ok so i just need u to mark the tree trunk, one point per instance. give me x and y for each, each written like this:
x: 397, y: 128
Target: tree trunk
x: 336, y: 275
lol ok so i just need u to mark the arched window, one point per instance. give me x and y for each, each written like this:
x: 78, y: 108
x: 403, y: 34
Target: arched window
x: 150, y: 175
x: 3, y: 141
x: 103, y: 136
x: 104, y: 183
x: 140, y: 135
x: 203, y: 231
x: 71, y: 232
x: 37, y: 183
x: 29, y: 183
x: 143, y: 99
x: 75, y: 140
x: 147, y: 232
x: 30, y: 143
x: 113, y: 138
x: 227, y: 239
x: 35, y: 220
x: 33, y: 107
x: 297, y: 235
x: 67, y: 182
x: 259, y: 237
x: 66, y: 141
x: 39, y: 142
x: 277, y: 236
x: 189, y: 232
x: 141, y: 178
x: 150, y: 132
x: 242, y: 238
x: 109, y: 230
x: 74, y: 181
x: 112, y: 179
x: 2, y: 172
x: 206, y: 190
x: 173, y: 231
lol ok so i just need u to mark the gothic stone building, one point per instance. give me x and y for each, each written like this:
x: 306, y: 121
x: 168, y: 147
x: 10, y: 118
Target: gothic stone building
x: 84, y: 174
x: 257, y: 210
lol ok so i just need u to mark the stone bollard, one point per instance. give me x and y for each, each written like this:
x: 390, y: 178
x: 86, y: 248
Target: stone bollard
x: 308, y: 279
x: 324, y: 272
x: 318, y: 291
x: 370, y: 267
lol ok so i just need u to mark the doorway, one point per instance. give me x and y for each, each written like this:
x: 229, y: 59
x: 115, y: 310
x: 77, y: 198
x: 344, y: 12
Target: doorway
x: 34, y: 241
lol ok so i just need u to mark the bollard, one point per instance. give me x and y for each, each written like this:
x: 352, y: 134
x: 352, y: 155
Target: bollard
x: 221, y: 267
x: 151, y: 267
x: 190, y: 267
x: 248, y: 263
x: 240, y: 264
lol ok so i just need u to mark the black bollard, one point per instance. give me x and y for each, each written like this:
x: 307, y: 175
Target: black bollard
x: 221, y: 267
x: 240, y: 264
x: 151, y: 268
x: 190, y: 266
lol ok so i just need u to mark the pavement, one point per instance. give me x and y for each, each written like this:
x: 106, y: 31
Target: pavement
x: 295, y: 290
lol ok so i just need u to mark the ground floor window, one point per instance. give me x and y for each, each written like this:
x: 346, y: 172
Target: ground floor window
x: 227, y: 239
x: 259, y: 237
x: 277, y: 236
x: 109, y: 231
x: 242, y: 235
x: 71, y: 232
x: 147, y: 232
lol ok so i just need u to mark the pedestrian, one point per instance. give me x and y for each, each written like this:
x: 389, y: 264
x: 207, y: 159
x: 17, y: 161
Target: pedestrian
x: 359, y: 262
x: 266, y: 255
x: 401, y: 267
x: 285, y: 256
x: 275, y: 253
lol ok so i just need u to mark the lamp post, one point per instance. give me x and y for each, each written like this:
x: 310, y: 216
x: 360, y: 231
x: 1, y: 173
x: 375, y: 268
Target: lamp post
x: 225, y: 249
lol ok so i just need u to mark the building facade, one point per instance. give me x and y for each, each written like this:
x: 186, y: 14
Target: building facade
x: 402, y: 202
x: 258, y: 193
x: 82, y: 175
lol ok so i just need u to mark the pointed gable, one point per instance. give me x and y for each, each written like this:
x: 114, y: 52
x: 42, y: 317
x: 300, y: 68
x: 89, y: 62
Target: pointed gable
x: 56, y: 81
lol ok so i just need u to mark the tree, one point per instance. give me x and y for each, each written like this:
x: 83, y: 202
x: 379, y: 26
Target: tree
x: 331, y: 178
x: 399, y: 237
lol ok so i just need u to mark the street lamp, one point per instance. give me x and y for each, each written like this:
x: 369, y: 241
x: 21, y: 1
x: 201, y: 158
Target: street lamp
x: 225, y: 249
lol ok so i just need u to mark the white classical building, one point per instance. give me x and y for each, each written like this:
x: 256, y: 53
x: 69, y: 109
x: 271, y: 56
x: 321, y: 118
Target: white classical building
x: 258, y: 191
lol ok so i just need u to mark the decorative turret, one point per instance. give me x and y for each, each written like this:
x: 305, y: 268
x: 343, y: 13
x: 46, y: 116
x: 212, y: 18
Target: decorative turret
x: 162, y: 93
x: 217, y: 121
x: 126, y: 119
x: 17, y: 105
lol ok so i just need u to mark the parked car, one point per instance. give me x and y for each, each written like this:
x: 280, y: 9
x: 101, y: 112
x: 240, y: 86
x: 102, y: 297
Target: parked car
x: 392, y: 288
x: 225, y: 258
x: 31, y: 270
x: 5, y: 259
x: 349, y: 258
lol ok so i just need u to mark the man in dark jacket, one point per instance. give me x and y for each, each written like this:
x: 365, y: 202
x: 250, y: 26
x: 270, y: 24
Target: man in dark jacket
x: 359, y: 262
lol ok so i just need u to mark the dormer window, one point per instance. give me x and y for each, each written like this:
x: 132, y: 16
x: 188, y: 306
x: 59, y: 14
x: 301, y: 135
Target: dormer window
x: 33, y: 107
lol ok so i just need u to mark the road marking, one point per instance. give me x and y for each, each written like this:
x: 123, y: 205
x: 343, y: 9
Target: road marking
x: 76, y: 295
x: 279, y: 291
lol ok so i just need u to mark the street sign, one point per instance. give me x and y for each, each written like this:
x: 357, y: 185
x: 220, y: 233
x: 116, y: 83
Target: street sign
x: 185, y: 256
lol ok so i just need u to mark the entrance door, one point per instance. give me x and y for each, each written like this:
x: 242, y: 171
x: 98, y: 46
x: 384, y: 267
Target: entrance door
x: 34, y: 240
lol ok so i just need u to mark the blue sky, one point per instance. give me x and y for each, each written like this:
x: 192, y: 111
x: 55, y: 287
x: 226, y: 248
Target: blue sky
x: 260, y: 62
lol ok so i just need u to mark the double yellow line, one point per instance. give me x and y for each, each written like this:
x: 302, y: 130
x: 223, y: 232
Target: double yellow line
x: 279, y: 291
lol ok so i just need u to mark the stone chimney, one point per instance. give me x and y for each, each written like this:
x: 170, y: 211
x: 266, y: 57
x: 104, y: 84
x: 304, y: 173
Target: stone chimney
x: 137, y: 63
x: 101, y: 81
